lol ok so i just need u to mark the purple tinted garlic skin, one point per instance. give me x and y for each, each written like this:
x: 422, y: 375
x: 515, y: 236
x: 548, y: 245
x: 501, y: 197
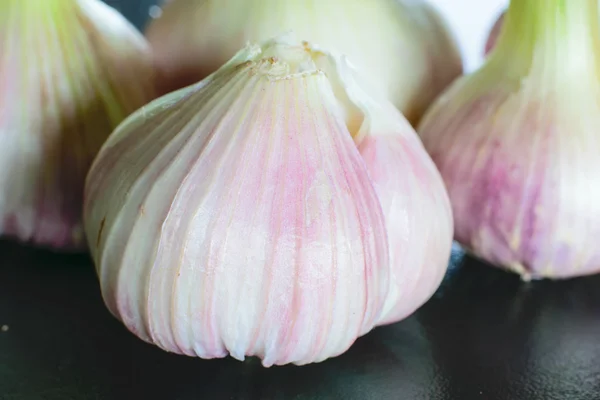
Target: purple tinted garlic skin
x: 415, y: 206
x: 70, y: 72
x: 263, y: 212
x: 414, y: 201
x: 517, y: 144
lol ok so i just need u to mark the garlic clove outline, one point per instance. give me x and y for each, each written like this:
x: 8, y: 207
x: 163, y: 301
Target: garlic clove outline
x: 516, y: 144
x: 70, y: 72
x: 410, y: 189
x: 237, y: 216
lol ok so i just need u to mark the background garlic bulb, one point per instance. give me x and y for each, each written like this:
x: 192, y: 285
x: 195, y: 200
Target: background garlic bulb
x: 238, y: 216
x: 402, y: 46
x: 517, y: 143
x: 492, y: 38
x: 70, y: 72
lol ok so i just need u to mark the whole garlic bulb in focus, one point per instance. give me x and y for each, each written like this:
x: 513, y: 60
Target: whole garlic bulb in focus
x: 70, y: 72
x: 403, y: 47
x: 517, y: 143
x: 273, y: 209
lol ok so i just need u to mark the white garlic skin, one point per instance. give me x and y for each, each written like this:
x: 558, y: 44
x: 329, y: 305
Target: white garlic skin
x: 520, y: 155
x: 70, y: 72
x: 418, y: 218
x: 412, y: 195
x: 237, y: 216
x: 404, y: 47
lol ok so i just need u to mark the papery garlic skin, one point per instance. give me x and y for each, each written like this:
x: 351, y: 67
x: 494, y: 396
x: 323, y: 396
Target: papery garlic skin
x: 404, y: 47
x: 415, y: 205
x: 516, y: 143
x: 414, y: 201
x: 237, y: 216
x: 70, y: 72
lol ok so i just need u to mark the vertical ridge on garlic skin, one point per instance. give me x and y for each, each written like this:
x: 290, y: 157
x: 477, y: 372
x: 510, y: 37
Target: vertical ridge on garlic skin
x: 410, y: 190
x: 503, y: 168
x: 70, y: 71
x: 252, y: 228
x: 162, y: 281
x: 295, y: 290
x: 516, y: 143
x: 148, y: 155
x: 416, y: 205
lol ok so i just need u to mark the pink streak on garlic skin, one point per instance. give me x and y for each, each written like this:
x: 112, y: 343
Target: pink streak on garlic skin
x: 43, y: 190
x: 68, y: 75
x: 418, y: 219
x: 296, y: 308
x: 267, y: 235
x: 509, y: 205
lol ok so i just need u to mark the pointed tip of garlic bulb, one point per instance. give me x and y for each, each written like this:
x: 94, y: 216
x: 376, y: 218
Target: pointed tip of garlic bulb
x: 70, y: 72
x: 274, y: 209
x: 516, y: 143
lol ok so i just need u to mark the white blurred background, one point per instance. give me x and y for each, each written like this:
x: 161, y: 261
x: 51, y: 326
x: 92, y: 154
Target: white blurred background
x: 471, y: 21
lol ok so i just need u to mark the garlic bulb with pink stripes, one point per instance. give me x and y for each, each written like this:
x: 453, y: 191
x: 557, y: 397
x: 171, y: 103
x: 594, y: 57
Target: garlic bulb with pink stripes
x: 274, y: 209
x: 70, y: 72
x: 517, y: 143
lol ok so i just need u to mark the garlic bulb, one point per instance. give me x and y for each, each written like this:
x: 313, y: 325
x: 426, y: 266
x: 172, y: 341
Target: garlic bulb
x: 273, y: 209
x: 516, y: 143
x: 70, y: 72
x: 402, y: 46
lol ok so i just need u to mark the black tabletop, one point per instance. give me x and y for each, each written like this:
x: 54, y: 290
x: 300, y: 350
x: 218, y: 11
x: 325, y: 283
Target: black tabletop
x: 484, y: 335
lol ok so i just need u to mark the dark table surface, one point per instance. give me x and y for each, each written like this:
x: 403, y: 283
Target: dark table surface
x: 484, y: 335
